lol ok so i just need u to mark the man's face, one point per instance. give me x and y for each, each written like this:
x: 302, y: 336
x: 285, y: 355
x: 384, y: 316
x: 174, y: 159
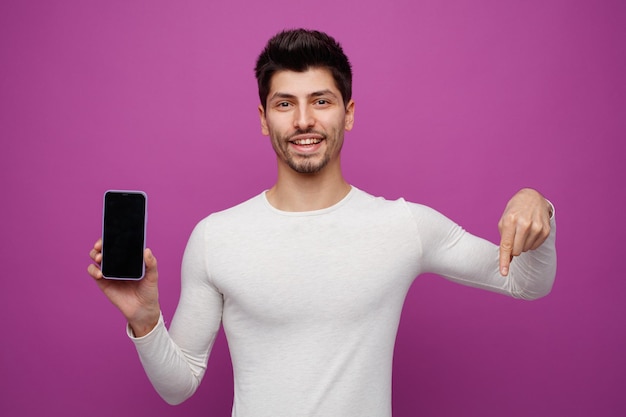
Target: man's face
x: 305, y: 118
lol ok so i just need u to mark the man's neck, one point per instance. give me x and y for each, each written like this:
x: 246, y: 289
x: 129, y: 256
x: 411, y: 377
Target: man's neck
x: 307, y: 192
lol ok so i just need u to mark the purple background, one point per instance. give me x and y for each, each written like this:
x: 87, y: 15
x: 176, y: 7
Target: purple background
x: 459, y: 104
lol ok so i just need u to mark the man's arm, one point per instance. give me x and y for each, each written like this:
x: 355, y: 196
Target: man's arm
x: 452, y: 252
x: 175, y: 359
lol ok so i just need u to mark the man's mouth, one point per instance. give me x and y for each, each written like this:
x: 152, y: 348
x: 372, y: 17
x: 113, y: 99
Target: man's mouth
x: 306, y: 141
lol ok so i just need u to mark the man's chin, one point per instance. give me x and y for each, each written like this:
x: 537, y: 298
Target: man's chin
x: 308, y: 167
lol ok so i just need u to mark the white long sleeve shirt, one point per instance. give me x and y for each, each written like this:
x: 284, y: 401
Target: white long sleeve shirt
x: 311, y: 301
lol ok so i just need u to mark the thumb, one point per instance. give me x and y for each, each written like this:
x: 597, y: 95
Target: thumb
x: 151, y: 265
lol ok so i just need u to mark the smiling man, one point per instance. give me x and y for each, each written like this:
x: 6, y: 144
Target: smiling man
x: 305, y: 117
x: 309, y: 278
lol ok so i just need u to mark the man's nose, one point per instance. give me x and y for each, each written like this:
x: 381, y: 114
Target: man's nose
x: 303, y: 118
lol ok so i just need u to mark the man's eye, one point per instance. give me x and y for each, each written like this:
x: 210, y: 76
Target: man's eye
x: 283, y: 104
x: 322, y: 101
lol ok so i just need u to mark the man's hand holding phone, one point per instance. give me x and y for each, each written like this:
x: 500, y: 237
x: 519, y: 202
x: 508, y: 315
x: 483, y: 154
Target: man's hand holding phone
x: 138, y: 300
x: 123, y: 268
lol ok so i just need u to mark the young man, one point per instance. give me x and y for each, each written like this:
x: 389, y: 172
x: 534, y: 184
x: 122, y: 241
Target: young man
x: 309, y: 278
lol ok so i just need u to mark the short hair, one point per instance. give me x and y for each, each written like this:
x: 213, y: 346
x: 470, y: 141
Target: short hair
x: 300, y: 50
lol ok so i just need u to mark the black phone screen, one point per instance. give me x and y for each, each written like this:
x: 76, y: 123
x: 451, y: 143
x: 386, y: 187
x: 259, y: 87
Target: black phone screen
x: 123, y: 234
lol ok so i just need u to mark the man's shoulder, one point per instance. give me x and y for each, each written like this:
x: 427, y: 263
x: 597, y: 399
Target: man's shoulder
x: 398, y: 206
x: 369, y: 201
x: 246, y: 207
x: 237, y: 213
x: 250, y: 204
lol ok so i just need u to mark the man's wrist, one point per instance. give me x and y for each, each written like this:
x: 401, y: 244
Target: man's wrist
x: 143, y: 327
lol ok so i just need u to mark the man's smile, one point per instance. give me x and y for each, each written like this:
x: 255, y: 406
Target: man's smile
x: 307, y: 141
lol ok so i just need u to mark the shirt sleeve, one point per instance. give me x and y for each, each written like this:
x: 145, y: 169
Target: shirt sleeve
x: 175, y: 360
x: 452, y: 252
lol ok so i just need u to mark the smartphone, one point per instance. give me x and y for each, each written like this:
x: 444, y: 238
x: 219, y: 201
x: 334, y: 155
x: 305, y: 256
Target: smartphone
x: 124, y: 222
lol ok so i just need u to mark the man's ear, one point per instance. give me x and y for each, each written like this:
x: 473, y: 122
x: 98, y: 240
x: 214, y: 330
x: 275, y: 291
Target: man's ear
x: 264, y: 128
x: 349, y: 118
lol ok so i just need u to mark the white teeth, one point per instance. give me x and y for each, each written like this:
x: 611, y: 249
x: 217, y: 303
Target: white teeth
x: 309, y: 141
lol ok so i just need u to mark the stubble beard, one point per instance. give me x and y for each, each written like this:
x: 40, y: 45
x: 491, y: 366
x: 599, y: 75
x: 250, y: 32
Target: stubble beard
x: 303, y: 164
x: 306, y: 165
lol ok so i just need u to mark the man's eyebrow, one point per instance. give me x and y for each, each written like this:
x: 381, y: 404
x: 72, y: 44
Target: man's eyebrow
x: 279, y: 95
x: 322, y: 93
